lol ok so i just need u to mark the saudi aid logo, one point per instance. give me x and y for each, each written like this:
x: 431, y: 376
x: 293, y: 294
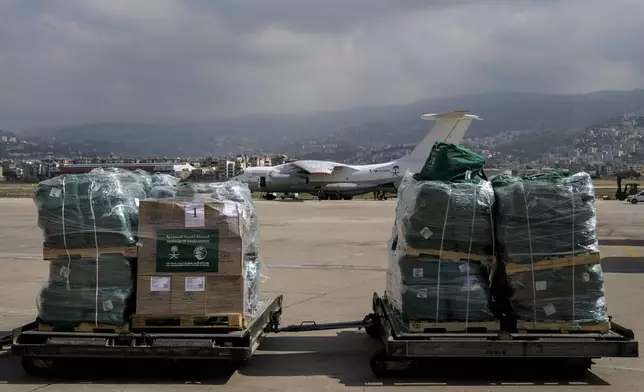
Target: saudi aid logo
x: 173, y: 253
x: 200, y: 253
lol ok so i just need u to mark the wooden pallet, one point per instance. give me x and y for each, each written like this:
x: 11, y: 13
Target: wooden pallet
x: 561, y: 327
x: 227, y: 321
x: 127, y: 252
x: 453, y: 326
x: 86, y: 327
x: 448, y: 255
x: 558, y: 262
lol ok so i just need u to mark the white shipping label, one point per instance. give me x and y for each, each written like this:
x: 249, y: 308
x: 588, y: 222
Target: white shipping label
x: 230, y: 209
x: 64, y: 272
x: 196, y: 283
x: 549, y: 309
x: 417, y: 272
x: 426, y: 233
x: 195, y: 215
x: 585, y: 277
x: 464, y: 267
x: 422, y: 293
x: 55, y: 192
x: 107, y: 305
x: 160, y: 283
x: 540, y: 285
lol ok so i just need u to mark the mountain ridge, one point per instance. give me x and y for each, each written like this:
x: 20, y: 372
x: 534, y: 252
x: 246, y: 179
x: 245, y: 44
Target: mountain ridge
x: 354, y: 128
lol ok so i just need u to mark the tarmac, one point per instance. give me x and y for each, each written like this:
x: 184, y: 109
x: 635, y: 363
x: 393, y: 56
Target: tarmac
x: 327, y: 259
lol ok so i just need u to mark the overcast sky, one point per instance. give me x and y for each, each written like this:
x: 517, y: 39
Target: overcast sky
x: 74, y: 61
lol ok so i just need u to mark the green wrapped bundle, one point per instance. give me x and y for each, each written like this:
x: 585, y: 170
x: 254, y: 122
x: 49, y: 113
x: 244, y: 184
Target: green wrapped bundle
x: 572, y: 294
x: 450, y: 162
x: 59, y: 212
x: 454, y: 216
x: 544, y: 216
x: 429, y: 290
x: 73, y: 294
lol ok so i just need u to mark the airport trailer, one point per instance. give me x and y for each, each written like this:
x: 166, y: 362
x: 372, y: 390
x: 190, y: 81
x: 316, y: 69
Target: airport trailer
x: 41, y: 351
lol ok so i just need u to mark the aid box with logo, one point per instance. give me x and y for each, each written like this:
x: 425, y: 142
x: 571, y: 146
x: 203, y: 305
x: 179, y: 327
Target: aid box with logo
x: 191, y: 258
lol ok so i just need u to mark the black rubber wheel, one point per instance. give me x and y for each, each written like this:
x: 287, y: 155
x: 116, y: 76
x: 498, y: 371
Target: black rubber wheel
x: 578, y: 368
x: 373, y: 330
x: 38, y: 367
x: 378, y: 364
x: 634, y: 200
x: 347, y: 197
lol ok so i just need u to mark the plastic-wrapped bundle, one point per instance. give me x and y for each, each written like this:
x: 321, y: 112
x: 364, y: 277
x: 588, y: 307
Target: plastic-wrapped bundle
x: 87, y: 291
x: 165, y: 180
x: 446, y: 216
x: 86, y: 211
x: 545, y: 216
x: 428, y: 289
x: 253, y: 266
x: 573, y: 294
x: 450, y: 162
x: 213, y: 234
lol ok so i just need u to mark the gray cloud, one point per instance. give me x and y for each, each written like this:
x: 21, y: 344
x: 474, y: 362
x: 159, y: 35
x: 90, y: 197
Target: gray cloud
x: 71, y: 61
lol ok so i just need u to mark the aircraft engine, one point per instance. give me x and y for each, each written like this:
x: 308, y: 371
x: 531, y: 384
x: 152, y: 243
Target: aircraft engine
x: 285, y: 179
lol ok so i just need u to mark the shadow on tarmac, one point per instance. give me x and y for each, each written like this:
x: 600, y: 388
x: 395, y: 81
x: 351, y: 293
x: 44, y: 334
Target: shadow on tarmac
x: 623, y: 265
x: 344, y: 356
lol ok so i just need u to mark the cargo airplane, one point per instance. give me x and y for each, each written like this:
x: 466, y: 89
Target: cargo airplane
x: 333, y: 180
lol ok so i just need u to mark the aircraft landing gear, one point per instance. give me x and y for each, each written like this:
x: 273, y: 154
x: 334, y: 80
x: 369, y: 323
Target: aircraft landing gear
x: 269, y: 196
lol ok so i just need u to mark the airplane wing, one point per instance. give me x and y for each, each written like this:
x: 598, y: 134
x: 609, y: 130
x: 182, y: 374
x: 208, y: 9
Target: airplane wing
x: 320, y: 167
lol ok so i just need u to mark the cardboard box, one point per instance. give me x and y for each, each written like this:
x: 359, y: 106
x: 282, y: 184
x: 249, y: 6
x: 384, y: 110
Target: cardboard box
x: 190, y: 237
x: 191, y: 294
x: 153, y: 295
x: 207, y: 295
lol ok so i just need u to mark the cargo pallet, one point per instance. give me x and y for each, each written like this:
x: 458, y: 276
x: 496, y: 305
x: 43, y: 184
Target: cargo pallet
x: 41, y: 351
x: 402, y: 349
x: 126, y: 251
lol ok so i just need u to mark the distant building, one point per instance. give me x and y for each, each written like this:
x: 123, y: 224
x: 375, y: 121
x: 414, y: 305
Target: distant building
x: 181, y: 170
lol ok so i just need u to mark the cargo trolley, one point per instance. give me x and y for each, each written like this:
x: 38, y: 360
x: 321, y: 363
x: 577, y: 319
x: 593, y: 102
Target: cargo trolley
x: 401, y: 349
x: 41, y: 350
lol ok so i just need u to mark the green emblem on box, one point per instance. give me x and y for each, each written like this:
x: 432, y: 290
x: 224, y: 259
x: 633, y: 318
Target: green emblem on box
x: 188, y: 250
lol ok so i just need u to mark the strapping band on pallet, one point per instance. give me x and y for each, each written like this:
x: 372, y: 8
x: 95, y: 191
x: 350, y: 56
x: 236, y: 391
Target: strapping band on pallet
x: 527, y: 217
x: 440, y: 254
x: 91, y: 207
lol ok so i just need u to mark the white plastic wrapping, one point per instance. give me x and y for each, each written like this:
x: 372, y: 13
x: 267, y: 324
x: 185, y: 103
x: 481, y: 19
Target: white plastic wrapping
x: 548, y: 245
x: 441, y: 251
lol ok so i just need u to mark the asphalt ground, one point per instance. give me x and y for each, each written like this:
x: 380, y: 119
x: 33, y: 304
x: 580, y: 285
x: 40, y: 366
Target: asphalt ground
x: 327, y: 259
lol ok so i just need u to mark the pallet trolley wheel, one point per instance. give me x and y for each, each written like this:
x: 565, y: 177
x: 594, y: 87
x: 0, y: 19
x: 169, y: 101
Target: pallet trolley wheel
x: 578, y: 367
x: 378, y: 363
x: 39, y: 367
x: 372, y: 327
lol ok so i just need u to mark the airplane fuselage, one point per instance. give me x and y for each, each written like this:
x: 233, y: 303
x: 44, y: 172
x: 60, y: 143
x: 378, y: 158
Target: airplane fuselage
x: 341, y: 180
x: 363, y: 179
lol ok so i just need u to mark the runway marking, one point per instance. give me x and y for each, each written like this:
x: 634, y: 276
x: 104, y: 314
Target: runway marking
x: 631, y: 251
x: 619, y: 368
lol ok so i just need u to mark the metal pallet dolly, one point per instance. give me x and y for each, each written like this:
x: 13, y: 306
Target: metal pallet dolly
x: 401, y: 348
x: 40, y: 351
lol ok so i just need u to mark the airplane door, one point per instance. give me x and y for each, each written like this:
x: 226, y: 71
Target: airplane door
x: 262, y: 182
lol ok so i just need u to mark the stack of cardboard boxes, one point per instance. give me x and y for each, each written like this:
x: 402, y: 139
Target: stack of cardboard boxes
x: 192, y: 258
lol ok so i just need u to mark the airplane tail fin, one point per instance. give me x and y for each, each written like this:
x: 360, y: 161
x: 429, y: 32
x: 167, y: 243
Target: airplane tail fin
x: 448, y: 128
